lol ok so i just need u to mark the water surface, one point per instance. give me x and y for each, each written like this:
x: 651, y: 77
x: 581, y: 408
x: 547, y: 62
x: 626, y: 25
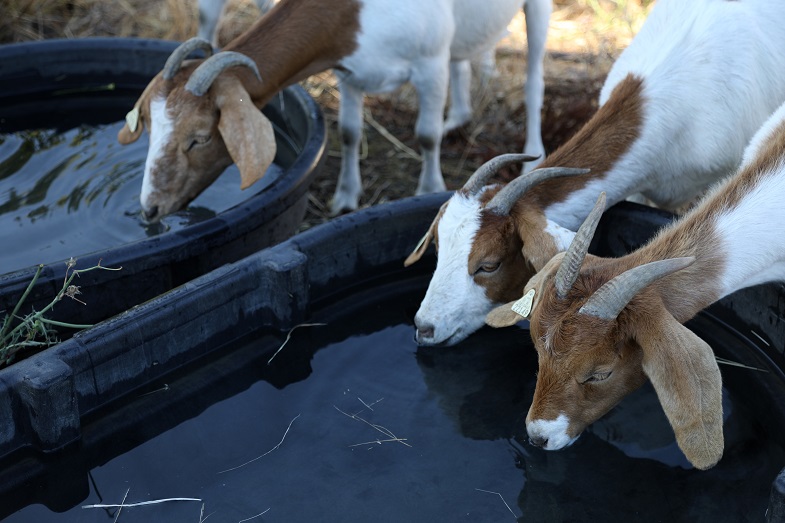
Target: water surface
x: 64, y: 193
x: 352, y: 422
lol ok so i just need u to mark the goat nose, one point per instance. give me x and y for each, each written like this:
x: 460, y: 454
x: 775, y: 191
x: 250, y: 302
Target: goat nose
x: 150, y: 214
x: 538, y: 441
x: 425, y: 332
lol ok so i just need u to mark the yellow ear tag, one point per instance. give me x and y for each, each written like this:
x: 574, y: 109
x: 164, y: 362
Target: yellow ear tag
x: 523, y: 306
x: 132, y: 119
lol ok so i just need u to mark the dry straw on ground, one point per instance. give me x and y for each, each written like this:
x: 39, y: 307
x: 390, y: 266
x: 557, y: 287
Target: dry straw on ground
x: 584, y: 38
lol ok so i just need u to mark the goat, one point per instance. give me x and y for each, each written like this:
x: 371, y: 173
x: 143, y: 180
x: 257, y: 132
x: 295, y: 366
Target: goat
x: 676, y: 111
x: 201, y: 115
x: 601, y: 327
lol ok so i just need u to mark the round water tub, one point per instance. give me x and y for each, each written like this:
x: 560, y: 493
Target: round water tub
x: 290, y: 381
x: 68, y: 189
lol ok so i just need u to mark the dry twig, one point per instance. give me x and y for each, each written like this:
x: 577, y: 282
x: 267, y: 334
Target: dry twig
x: 289, y: 335
x: 502, y: 498
x: 266, y: 453
x: 387, y: 432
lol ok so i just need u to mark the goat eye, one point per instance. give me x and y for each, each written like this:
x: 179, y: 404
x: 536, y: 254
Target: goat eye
x: 598, y: 376
x: 487, y: 268
x: 197, y: 140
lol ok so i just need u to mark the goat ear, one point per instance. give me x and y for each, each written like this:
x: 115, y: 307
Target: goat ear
x: 503, y: 316
x: 684, y: 372
x: 422, y: 245
x: 515, y: 311
x: 132, y: 129
x: 247, y: 133
x: 134, y: 123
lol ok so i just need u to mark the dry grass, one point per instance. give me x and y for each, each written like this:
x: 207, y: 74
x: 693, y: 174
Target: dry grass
x: 584, y: 38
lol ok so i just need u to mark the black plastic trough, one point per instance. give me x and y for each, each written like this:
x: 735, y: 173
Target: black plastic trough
x: 64, y: 82
x: 45, y: 399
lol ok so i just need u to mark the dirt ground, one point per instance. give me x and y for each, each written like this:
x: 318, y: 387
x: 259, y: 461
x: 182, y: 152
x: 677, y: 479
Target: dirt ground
x: 584, y: 38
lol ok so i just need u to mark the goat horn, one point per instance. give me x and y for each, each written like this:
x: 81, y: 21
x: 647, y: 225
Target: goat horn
x: 175, y: 60
x: 201, y: 79
x: 503, y: 201
x: 481, y: 176
x: 573, y: 258
x: 610, y: 299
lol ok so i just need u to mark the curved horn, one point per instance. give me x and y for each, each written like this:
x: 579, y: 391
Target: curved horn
x: 175, y: 59
x: 481, y: 176
x: 573, y: 258
x: 609, y: 300
x: 201, y: 79
x: 503, y: 201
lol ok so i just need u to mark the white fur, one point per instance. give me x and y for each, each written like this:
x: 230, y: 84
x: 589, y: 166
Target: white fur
x: 554, y: 431
x: 161, y: 128
x: 713, y: 72
x: 562, y: 236
x: 425, y: 43
x: 763, y: 136
x: 755, y: 253
x: 453, y: 297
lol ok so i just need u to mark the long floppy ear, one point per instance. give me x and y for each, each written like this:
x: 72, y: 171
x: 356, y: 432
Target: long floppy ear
x: 515, y: 311
x: 422, y: 245
x: 247, y: 133
x: 684, y: 372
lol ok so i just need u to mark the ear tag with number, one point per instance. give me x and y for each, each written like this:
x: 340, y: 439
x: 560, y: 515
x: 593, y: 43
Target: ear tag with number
x: 523, y: 306
x: 132, y: 119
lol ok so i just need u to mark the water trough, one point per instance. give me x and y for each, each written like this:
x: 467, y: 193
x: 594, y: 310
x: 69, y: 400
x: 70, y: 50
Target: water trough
x: 212, y: 392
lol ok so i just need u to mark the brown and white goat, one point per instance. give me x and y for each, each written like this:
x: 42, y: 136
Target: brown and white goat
x: 677, y: 109
x: 601, y: 327
x: 203, y: 114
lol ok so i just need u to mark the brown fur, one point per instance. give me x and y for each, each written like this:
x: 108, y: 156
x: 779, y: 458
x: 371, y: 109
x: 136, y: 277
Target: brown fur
x: 497, y: 243
x: 562, y: 385
x: 598, y: 145
x: 331, y: 31
x: 643, y: 341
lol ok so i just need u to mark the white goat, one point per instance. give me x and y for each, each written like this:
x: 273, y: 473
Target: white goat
x: 677, y: 109
x: 602, y: 326
x: 201, y: 118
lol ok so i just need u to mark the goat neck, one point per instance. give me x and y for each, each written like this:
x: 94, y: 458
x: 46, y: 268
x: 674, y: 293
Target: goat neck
x: 283, y: 56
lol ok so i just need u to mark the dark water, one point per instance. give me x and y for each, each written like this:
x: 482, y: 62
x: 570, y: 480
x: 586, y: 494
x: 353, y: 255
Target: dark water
x: 73, y: 192
x: 244, y: 437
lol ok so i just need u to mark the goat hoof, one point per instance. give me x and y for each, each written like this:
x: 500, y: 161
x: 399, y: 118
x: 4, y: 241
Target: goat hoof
x: 456, y: 130
x: 342, y: 205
